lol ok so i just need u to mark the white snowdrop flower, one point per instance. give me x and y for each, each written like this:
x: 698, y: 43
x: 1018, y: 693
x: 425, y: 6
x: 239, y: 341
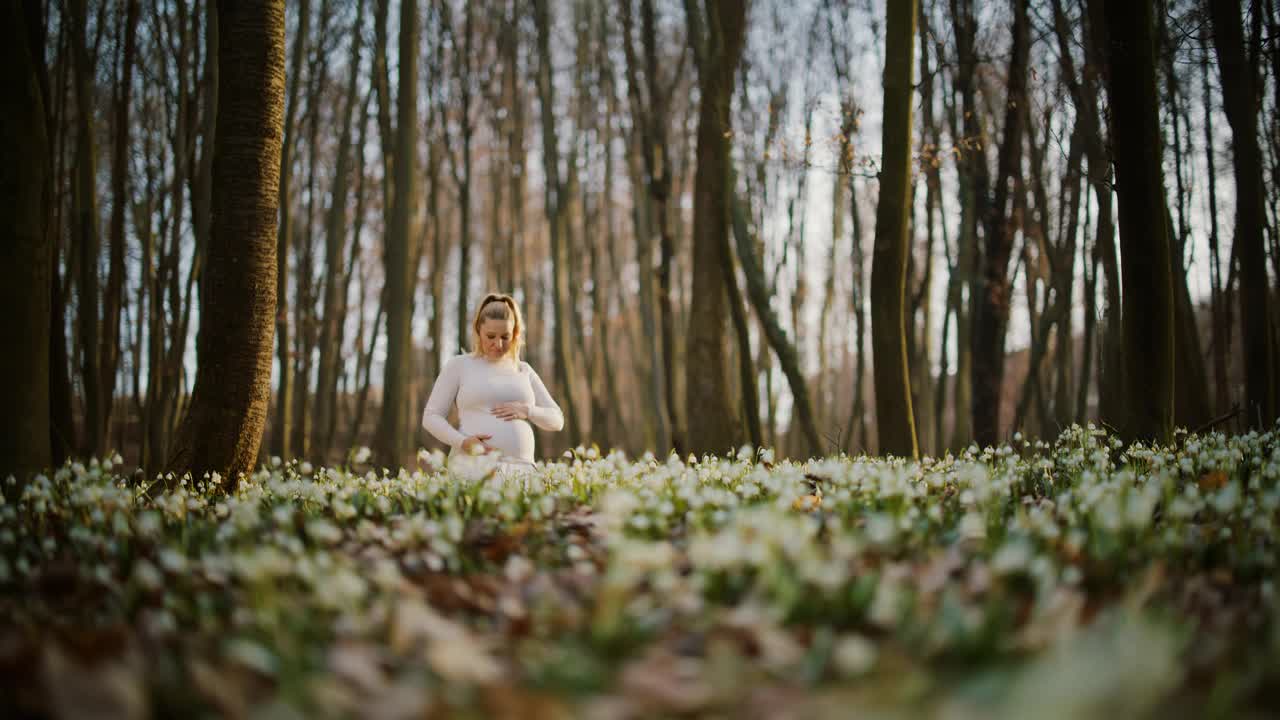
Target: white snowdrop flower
x: 172, y: 560
x: 276, y: 461
x: 1227, y: 499
x: 361, y: 455
x: 323, y: 531
x: 854, y: 655
x: 880, y: 529
x: 1013, y: 556
x: 886, y: 606
x: 973, y: 527
x: 147, y: 576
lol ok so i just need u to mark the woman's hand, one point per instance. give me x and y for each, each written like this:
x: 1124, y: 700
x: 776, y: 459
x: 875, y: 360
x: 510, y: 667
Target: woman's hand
x: 475, y: 445
x: 514, y: 410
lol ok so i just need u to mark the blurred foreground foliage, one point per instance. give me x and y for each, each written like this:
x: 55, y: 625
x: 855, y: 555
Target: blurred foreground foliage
x: 1078, y: 578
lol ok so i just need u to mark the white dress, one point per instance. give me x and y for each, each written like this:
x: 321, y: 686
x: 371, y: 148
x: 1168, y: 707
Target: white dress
x: 477, y: 385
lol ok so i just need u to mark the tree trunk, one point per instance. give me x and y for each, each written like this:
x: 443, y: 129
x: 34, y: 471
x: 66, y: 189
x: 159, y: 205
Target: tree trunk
x: 462, y: 58
x: 857, y: 413
x: 395, y: 425
x: 282, y: 429
x: 974, y: 178
x: 641, y: 217
x: 364, y: 377
x: 113, y: 300
x: 85, y: 230
x: 335, y: 236
x: 353, y: 261
x: 895, y: 425
x: 304, y: 307
x: 25, y: 251
x: 1240, y: 101
x: 557, y: 200
x: 776, y: 336
x: 1218, y: 302
x: 223, y: 426
x: 991, y: 316
x: 1146, y: 265
x: 708, y: 407
x: 651, y: 107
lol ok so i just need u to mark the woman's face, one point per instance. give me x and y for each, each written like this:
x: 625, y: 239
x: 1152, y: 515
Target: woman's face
x: 496, y: 337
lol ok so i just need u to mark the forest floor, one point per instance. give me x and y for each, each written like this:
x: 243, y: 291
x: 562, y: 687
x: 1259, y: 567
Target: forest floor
x: 1077, y: 578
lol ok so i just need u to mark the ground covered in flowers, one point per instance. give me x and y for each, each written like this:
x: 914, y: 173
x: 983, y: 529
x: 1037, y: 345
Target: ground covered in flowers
x: 1081, y: 578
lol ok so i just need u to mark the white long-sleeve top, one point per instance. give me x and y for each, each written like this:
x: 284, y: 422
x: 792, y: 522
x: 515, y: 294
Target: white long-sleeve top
x: 477, y: 385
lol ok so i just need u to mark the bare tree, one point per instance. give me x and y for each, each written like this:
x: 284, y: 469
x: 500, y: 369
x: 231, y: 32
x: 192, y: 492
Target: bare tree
x: 336, y: 273
x: 991, y: 311
x: 557, y: 200
x: 716, y: 32
x: 394, y: 432
x: 1240, y: 100
x: 1146, y: 266
x: 282, y: 427
x: 895, y: 424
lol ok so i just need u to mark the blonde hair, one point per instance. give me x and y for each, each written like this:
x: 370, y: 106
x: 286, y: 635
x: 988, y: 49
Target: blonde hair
x: 500, y: 306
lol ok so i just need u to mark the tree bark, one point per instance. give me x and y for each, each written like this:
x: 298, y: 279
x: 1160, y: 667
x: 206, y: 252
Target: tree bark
x: 223, y: 426
x: 395, y: 425
x: 895, y: 425
x: 974, y: 179
x: 282, y: 428
x: 1240, y: 101
x: 708, y: 406
x: 1146, y: 264
x: 25, y: 250
x: 991, y: 316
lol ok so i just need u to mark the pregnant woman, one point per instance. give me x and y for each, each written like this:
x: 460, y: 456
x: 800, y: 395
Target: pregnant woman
x: 497, y: 395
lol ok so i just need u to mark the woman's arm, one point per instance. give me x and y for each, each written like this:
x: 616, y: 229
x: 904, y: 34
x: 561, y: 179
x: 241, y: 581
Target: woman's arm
x: 435, y: 417
x: 544, y: 412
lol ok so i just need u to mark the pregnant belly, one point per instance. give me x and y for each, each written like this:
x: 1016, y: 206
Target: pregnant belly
x: 512, y: 438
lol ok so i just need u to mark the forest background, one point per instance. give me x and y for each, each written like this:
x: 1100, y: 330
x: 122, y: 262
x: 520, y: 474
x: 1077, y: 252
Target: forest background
x: 435, y: 150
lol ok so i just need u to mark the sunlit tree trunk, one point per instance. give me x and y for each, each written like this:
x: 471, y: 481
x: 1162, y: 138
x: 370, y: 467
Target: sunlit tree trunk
x: 282, y: 425
x: 223, y: 426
